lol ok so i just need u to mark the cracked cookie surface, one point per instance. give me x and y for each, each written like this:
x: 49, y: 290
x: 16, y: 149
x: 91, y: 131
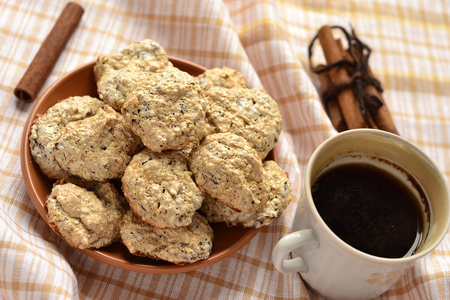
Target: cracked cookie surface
x: 145, y: 55
x: 221, y: 78
x: 85, y: 219
x: 179, y: 246
x: 250, y: 113
x: 97, y: 148
x: 160, y: 189
x: 168, y: 113
x: 279, y: 196
x: 46, y: 130
x: 226, y: 167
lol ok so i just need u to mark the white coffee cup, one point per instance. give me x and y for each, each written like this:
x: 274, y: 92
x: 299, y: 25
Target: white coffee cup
x: 326, y: 263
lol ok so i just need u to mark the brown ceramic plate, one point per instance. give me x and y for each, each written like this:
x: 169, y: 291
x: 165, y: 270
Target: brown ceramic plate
x: 81, y: 82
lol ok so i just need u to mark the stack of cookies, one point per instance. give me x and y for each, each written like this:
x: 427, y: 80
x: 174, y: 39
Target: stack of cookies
x: 186, y: 151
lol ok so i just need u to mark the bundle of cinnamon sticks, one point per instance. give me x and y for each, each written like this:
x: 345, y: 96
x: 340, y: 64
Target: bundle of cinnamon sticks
x: 351, y: 94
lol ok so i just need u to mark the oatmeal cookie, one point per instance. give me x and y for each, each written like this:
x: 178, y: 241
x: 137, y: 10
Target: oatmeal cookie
x: 226, y: 167
x: 45, y: 130
x: 178, y: 246
x: 279, y: 191
x: 221, y: 77
x: 160, y: 189
x: 250, y: 113
x: 114, y: 88
x: 97, y: 148
x: 85, y: 219
x: 168, y: 113
x: 145, y: 55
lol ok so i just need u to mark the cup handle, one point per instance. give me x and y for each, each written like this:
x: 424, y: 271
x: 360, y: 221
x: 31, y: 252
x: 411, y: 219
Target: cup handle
x: 289, y: 243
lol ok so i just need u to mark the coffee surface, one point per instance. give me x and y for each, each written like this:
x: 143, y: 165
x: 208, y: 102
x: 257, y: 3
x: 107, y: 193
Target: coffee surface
x: 369, y: 209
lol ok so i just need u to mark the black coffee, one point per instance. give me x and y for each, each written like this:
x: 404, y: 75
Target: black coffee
x: 369, y: 209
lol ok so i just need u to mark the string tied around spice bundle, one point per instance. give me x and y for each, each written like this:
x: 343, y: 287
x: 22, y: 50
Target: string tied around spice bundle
x: 350, y: 91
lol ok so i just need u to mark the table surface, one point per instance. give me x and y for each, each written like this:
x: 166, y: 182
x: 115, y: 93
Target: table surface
x: 268, y: 42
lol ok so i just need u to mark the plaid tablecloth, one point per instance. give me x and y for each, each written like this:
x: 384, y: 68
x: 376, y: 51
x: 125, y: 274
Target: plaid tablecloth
x: 267, y: 41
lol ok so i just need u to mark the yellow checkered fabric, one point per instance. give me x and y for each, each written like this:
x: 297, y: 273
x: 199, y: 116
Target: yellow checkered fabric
x: 267, y: 41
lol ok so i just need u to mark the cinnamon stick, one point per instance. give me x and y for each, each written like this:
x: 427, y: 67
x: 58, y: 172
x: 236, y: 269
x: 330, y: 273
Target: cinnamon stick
x: 380, y: 114
x: 368, y: 112
x: 347, y: 100
x: 37, y: 72
x: 332, y: 106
